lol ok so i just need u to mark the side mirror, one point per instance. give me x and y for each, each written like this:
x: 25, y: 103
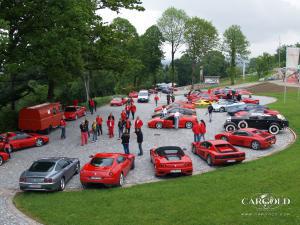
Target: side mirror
x: 91, y: 156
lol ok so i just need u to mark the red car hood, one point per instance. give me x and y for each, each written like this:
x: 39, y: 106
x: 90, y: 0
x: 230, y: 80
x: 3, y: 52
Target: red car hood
x: 71, y: 114
x: 116, y: 101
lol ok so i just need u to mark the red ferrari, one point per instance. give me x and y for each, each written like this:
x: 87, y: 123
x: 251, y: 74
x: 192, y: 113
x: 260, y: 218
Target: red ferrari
x: 179, y: 104
x: 19, y: 140
x: 185, y: 121
x: 107, y: 169
x: 217, y: 152
x: 248, y: 137
x: 133, y: 94
x: 118, y: 101
x: 250, y: 100
x: 170, y: 160
x: 3, y: 157
x: 205, y: 96
x: 74, y: 112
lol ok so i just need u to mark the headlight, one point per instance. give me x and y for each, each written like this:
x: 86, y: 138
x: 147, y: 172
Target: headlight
x: 228, y: 119
x: 281, y: 117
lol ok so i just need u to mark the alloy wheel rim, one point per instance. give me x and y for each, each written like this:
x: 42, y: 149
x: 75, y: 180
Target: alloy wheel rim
x: 39, y: 142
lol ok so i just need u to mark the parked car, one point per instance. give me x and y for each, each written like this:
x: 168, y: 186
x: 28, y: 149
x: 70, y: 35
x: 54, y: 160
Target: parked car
x: 143, y: 96
x: 258, y: 111
x: 182, y: 111
x: 202, y: 102
x: 217, y: 152
x: 244, y: 107
x: 40, y: 118
x: 74, y: 112
x: 185, y: 121
x: 261, y: 121
x: 107, y: 169
x: 133, y: 94
x: 170, y: 160
x: 179, y: 104
x: 166, y: 90
x: 222, y: 106
x: 49, y: 174
x: 250, y: 100
x: 118, y: 101
x: 20, y: 140
x: 3, y: 157
x: 248, y: 137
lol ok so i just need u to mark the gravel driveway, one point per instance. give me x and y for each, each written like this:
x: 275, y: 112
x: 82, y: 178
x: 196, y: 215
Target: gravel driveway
x: 143, y: 172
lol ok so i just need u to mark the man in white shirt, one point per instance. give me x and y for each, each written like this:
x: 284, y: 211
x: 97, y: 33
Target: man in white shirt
x: 176, y: 119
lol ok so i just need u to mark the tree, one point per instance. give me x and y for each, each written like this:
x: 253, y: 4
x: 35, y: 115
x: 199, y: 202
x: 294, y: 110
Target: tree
x: 172, y: 26
x: 264, y: 64
x: 201, y: 36
x: 214, y: 64
x: 236, y: 46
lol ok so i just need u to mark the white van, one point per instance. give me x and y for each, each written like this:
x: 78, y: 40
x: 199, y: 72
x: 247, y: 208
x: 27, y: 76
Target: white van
x: 143, y: 96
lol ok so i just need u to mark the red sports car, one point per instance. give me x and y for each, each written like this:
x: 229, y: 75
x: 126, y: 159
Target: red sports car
x: 243, y: 92
x: 217, y: 152
x: 118, y: 101
x: 107, y: 169
x: 259, y: 111
x: 176, y: 104
x: 74, y: 112
x: 19, y: 140
x: 248, y: 137
x: 3, y: 157
x: 133, y: 94
x: 169, y: 160
x: 250, y: 100
x: 185, y: 121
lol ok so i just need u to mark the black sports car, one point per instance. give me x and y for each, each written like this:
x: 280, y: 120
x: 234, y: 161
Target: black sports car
x: 182, y: 111
x: 246, y: 107
x: 273, y: 123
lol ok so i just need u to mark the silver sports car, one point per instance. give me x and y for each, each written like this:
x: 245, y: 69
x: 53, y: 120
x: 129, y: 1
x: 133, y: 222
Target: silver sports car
x: 49, y: 174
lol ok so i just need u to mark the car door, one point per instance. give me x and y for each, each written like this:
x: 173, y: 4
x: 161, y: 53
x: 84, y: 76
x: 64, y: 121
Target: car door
x: 124, y: 164
x: 234, y: 138
x: 168, y: 122
x: 202, y: 150
x: 26, y: 140
x: 66, y: 169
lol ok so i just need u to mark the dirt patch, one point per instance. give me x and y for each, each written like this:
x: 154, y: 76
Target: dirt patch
x: 269, y: 87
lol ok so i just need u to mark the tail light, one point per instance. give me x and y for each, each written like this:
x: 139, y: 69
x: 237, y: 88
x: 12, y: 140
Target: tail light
x: 188, y: 164
x: 163, y: 165
x: 48, y: 180
x: 22, y: 179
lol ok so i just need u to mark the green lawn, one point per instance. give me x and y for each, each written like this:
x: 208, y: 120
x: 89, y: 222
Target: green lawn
x: 211, y: 198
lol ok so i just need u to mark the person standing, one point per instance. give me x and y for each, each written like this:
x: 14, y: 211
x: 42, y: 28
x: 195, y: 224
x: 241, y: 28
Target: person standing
x: 125, y: 141
x: 99, y: 121
x: 127, y: 110
x: 75, y: 102
x: 173, y: 98
x: 94, y: 131
x: 210, y: 110
x: 168, y: 99
x: 84, y: 135
x: 196, y: 131
x: 63, y: 125
x: 91, y: 106
x: 110, y: 125
x: 156, y: 98
x: 7, y: 147
x: 121, y: 127
x: 138, y: 124
x: 176, y: 119
x: 123, y: 115
x: 139, y: 135
x: 133, y: 110
x: 128, y: 125
x: 164, y: 111
x: 87, y: 127
x: 202, y: 130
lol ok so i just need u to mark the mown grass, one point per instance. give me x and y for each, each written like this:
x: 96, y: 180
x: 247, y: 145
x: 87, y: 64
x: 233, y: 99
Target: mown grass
x: 211, y: 198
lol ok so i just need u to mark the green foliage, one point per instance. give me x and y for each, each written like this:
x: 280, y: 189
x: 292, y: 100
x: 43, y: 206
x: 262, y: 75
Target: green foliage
x: 214, y: 64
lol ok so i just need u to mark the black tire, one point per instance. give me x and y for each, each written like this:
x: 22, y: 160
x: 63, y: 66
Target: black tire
x: 274, y: 129
x: 1, y: 160
x: 77, y: 169
x: 243, y: 124
x: 230, y: 127
x: 159, y: 125
x: 224, y: 138
x: 209, y: 160
x: 39, y: 142
x: 188, y: 125
x: 132, y: 165
x: 255, y: 145
x: 222, y: 109
x: 62, y: 184
x: 121, y: 180
x: 194, y: 149
x: 84, y: 186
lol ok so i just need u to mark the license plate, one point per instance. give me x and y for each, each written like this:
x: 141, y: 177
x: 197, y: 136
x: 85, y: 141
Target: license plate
x: 35, y: 186
x: 230, y: 161
x: 95, y: 178
x: 175, y: 171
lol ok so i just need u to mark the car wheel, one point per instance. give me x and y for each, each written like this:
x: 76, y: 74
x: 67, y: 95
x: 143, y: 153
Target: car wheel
x: 1, y: 160
x: 76, y: 117
x: 84, y: 185
x: 77, y: 170
x: 222, y: 109
x: 255, y: 145
x: 274, y: 129
x: 132, y: 165
x: 224, y: 138
x: 230, y: 127
x: 121, y: 180
x: 158, y: 125
x: 39, y: 142
x: 10, y: 149
x: 189, y: 125
x: 62, y: 184
x: 243, y: 124
x: 209, y: 160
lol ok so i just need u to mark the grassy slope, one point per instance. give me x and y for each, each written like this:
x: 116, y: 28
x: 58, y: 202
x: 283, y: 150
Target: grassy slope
x: 211, y: 198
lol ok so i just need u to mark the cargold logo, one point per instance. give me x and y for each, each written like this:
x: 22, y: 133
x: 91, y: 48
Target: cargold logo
x: 266, y: 201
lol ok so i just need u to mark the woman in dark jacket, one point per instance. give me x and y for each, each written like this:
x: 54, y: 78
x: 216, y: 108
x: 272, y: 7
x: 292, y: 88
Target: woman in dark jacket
x: 125, y: 141
x: 140, y: 138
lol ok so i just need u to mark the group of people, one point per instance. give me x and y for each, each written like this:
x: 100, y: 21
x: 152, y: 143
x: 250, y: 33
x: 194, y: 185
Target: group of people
x: 199, y: 130
x: 170, y: 98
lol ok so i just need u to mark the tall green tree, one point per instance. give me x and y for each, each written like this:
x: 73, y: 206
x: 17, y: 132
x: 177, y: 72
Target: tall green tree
x: 236, y: 46
x: 264, y: 64
x: 172, y: 26
x: 201, y: 36
x: 214, y: 64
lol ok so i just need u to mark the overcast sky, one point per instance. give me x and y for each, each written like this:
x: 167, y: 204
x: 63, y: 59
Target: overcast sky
x: 263, y: 22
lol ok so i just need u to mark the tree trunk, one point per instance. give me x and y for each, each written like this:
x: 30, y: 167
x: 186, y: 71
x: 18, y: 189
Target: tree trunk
x: 86, y: 81
x: 232, y: 66
x: 172, y: 65
x: 50, y: 89
x: 193, y: 73
x: 12, y: 86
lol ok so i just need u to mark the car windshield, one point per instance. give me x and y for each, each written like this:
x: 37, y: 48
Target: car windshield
x: 70, y: 109
x: 117, y: 99
x: 143, y: 94
x: 102, y: 161
x: 42, y: 167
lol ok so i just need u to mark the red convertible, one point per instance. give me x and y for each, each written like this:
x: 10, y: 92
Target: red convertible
x: 217, y: 152
x: 107, y: 169
x: 118, y: 101
x: 177, y: 104
x: 133, y: 94
x: 248, y: 137
x: 74, y: 112
x: 3, y: 157
x: 19, y: 140
x: 185, y: 121
x: 250, y: 100
x: 169, y: 160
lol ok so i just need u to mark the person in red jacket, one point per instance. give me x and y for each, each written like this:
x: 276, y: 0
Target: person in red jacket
x: 110, y: 125
x: 63, y: 125
x: 123, y: 115
x: 196, y: 131
x: 99, y: 121
x: 127, y: 110
x: 138, y: 124
x: 128, y: 125
x: 202, y: 129
x: 75, y: 102
x: 91, y: 105
x: 133, y: 110
x: 156, y: 98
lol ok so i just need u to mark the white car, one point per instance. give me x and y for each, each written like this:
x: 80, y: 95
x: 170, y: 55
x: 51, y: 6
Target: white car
x: 222, y: 106
x: 143, y: 96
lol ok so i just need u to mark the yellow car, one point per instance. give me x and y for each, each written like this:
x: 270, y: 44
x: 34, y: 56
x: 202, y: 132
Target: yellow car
x: 202, y: 102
